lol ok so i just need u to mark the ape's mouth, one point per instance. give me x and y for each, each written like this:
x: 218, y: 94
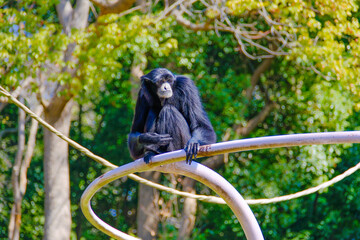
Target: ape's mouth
x: 165, y: 94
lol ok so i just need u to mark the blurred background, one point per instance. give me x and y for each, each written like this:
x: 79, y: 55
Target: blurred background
x: 262, y: 68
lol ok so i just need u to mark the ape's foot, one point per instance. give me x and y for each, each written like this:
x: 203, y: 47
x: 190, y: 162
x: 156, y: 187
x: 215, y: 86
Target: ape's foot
x: 148, y: 156
x: 191, y: 149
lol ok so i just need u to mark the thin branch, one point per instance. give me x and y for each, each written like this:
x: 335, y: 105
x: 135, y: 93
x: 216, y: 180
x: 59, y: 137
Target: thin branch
x: 140, y: 7
x: 321, y: 74
x: 93, y: 10
x: 6, y: 131
x: 238, y: 36
x: 29, y: 152
x: 240, y: 32
x: 187, y: 23
x: 255, y: 77
x: 271, y: 52
x: 22, y: 85
x: 266, y: 15
x: 255, y: 121
x: 242, y: 47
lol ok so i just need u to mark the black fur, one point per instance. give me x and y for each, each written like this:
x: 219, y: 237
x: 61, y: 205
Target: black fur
x: 168, y: 124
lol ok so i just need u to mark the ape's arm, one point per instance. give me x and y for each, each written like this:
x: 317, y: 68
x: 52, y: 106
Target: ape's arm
x: 144, y: 118
x: 141, y: 112
x: 202, y: 132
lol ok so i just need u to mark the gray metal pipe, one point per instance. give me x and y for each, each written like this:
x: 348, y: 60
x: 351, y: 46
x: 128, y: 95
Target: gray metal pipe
x: 224, y: 189
x: 166, y: 163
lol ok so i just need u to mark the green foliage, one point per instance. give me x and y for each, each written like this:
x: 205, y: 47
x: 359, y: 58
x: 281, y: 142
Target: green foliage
x: 315, y: 88
x: 32, y: 208
x: 324, y: 34
x: 7, y: 152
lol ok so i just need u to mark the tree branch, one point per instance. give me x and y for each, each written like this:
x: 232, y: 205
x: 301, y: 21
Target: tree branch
x: 65, y: 11
x: 6, y: 131
x: 218, y: 160
x: 80, y: 15
x: 214, y: 162
x: 136, y: 73
x: 113, y: 6
x: 57, y: 105
x: 24, y: 84
x: 73, y: 18
x: 255, y: 121
x: 221, y: 22
x: 264, y: 66
x: 186, y: 23
x: 29, y: 152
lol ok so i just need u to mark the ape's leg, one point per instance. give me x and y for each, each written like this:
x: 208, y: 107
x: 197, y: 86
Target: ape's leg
x: 171, y: 121
x: 153, y: 149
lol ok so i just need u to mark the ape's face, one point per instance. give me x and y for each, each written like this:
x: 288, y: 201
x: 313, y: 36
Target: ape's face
x: 164, y: 87
x: 161, y: 82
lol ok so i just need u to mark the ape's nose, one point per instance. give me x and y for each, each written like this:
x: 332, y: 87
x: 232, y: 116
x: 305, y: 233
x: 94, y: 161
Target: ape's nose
x: 165, y: 87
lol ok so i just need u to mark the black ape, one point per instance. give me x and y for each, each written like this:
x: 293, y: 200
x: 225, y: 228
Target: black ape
x: 168, y: 116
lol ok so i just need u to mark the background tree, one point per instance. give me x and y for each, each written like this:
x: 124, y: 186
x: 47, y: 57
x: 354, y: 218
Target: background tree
x: 263, y: 68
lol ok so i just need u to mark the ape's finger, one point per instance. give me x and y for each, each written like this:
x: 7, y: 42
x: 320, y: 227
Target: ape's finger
x: 191, y: 154
x: 195, y: 150
x: 187, y: 157
x: 148, y: 156
x: 165, y: 140
x: 188, y: 152
x: 165, y: 135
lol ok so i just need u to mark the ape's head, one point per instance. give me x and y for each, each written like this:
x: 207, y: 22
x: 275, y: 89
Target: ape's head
x: 159, y: 81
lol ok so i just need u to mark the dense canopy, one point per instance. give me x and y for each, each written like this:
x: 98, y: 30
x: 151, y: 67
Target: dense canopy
x: 262, y: 68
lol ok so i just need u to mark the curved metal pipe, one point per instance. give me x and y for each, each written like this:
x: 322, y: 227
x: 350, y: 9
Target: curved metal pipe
x: 207, y: 176
x: 224, y: 189
x: 196, y: 171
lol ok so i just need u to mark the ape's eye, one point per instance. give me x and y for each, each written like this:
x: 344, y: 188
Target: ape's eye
x: 159, y: 83
x: 170, y: 80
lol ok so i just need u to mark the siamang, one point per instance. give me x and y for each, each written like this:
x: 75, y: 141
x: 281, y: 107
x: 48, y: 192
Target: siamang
x: 168, y: 116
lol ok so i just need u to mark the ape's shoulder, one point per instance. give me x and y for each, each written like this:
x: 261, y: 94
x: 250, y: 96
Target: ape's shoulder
x: 186, y: 86
x: 184, y: 81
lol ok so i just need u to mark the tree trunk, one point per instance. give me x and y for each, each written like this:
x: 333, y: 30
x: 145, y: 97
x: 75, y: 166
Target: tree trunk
x: 148, y: 209
x: 15, y: 217
x: 58, y: 114
x: 56, y: 176
x: 189, y: 211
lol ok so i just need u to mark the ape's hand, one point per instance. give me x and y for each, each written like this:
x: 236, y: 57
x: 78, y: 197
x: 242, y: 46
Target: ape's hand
x: 191, y: 149
x: 154, y: 138
x: 148, y: 156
